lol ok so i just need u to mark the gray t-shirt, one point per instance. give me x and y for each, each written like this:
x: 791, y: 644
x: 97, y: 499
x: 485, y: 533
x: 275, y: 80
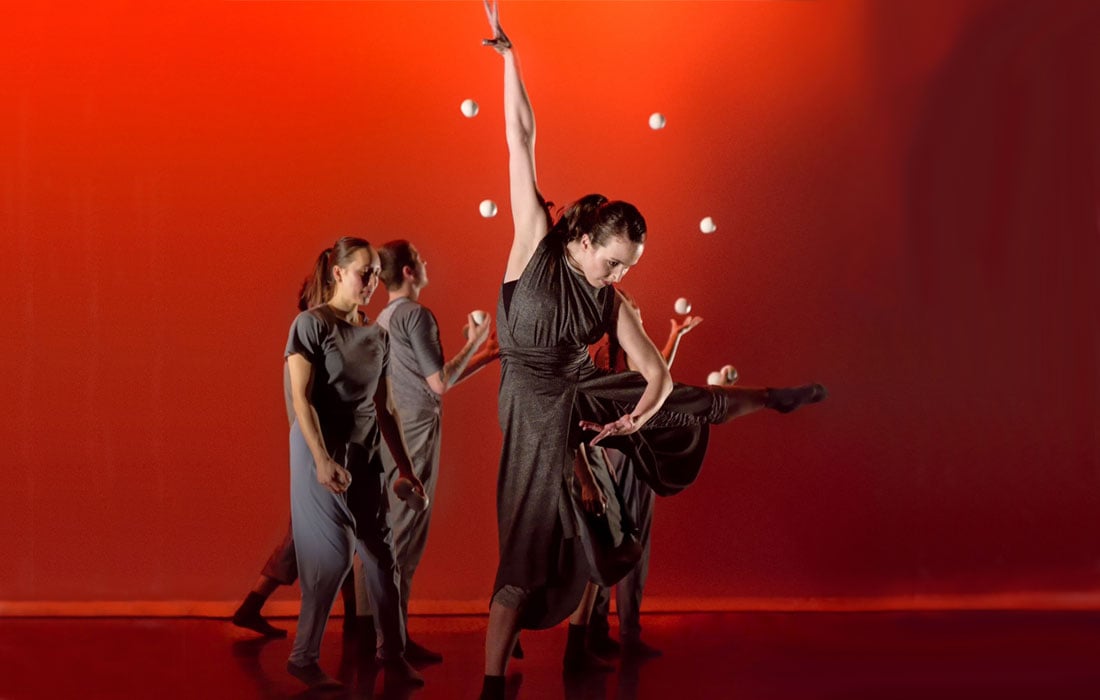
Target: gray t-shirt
x: 348, y: 361
x: 416, y: 354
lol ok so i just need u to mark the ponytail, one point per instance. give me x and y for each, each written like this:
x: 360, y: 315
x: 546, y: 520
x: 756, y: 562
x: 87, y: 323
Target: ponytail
x: 318, y: 288
x: 601, y: 219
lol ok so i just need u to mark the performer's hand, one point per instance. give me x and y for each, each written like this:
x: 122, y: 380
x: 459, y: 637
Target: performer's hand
x: 409, y: 489
x: 500, y: 40
x: 624, y: 426
x: 478, y: 332
x: 332, y: 476
x: 680, y: 327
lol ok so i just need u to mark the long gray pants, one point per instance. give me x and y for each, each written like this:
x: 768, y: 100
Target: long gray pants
x: 639, y: 500
x: 327, y: 528
x: 410, y: 528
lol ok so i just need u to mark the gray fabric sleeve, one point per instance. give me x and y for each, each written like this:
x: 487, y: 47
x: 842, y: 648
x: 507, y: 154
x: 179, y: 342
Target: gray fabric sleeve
x: 423, y: 333
x: 305, y: 337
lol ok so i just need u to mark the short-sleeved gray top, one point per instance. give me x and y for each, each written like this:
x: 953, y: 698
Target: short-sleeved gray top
x: 415, y: 353
x: 348, y: 361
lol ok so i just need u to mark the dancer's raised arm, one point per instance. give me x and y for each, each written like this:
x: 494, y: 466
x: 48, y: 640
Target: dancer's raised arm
x: 528, y: 215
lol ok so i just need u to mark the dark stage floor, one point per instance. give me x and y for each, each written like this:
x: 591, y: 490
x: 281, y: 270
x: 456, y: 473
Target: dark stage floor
x: 743, y: 656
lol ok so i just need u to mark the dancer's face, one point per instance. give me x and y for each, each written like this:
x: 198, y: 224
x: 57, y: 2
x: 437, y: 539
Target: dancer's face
x: 608, y: 263
x: 358, y: 280
x: 421, y: 270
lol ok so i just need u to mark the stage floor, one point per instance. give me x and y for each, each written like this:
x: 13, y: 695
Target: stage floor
x: 742, y: 656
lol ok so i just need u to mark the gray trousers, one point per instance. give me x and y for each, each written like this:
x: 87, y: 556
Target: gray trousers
x: 410, y: 528
x: 639, y: 500
x: 327, y: 529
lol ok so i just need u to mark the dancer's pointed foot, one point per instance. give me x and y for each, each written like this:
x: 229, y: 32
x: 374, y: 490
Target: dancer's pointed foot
x: 788, y: 399
x: 411, y: 492
x: 257, y: 623
x: 313, y: 676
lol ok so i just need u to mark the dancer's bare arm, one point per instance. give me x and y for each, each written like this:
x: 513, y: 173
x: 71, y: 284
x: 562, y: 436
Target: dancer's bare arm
x: 528, y: 215
x: 329, y: 474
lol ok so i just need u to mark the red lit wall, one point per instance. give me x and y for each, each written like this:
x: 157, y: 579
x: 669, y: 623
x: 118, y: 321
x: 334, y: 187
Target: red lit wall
x: 907, y: 203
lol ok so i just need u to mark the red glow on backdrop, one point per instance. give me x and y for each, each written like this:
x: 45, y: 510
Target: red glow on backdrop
x: 906, y: 200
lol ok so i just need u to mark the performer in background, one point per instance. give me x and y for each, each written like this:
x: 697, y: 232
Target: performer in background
x: 419, y: 377
x: 638, y: 499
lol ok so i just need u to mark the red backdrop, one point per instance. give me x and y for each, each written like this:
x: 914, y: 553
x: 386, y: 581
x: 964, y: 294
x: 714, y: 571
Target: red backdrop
x: 906, y: 196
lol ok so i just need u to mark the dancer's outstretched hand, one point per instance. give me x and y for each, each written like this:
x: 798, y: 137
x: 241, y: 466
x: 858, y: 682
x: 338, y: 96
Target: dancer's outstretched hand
x: 680, y: 327
x: 500, y: 40
x: 624, y: 426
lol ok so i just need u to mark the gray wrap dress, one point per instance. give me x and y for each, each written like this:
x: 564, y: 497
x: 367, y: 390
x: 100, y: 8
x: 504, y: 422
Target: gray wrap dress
x: 547, y: 320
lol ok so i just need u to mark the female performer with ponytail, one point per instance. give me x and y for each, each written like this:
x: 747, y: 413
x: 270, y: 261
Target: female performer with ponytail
x: 556, y: 300
x: 340, y: 392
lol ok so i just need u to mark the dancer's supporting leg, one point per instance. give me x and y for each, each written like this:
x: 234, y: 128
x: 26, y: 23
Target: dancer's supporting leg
x: 628, y: 592
x: 375, y: 545
x: 323, y: 537
x: 578, y: 659
x: 409, y: 526
x: 500, y: 639
x: 599, y: 629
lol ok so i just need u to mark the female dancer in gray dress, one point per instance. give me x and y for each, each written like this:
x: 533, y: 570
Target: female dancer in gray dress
x: 340, y: 392
x: 556, y: 300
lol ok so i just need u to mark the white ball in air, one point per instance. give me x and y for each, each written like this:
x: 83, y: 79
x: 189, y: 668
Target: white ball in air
x: 656, y: 121
x: 707, y: 225
x: 682, y: 306
x: 714, y: 378
x: 488, y: 208
x: 469, y: 108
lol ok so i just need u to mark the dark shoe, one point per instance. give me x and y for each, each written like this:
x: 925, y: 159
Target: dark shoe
x: 257, y: 623
x: 398, y: 670
x: 601, y: 644
x: 517, y: 650
x: 313, y: 676
x: 492, y: 688
x: 788, y: 399
x: 418, y: 653
x: 635, y: 648
x: 585, y: 662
